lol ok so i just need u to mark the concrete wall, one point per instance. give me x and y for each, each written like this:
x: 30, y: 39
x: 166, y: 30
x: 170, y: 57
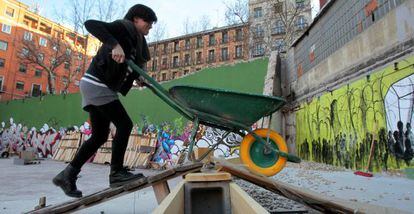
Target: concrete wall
x: 388, y: 40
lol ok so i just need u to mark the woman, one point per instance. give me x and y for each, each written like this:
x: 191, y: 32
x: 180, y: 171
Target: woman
x: 108, y: 74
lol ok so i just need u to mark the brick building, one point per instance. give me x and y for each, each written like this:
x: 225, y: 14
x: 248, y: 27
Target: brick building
x: 175, y: 57
x: 275, y: 24
x: 18, y: 79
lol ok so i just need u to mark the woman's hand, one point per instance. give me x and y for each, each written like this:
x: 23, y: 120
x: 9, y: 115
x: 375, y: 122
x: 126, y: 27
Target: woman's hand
x: 118, y: 54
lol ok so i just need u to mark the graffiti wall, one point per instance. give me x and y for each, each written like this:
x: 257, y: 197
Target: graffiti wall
x: 340, y: 126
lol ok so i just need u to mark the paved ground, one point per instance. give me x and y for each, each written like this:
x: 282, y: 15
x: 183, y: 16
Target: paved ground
x: 22, y: 186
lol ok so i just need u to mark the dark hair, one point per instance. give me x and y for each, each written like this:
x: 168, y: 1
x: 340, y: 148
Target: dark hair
x: 141, y: 11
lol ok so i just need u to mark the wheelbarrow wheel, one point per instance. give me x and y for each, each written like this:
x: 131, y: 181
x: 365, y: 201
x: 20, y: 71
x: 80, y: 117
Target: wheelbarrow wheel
x: 252, y: 153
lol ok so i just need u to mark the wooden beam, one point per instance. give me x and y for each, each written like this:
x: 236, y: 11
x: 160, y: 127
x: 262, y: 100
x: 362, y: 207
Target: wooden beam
x: 301, y: 195
x: 112, y: 193
x: 205, y: 177
x: 161, y: 190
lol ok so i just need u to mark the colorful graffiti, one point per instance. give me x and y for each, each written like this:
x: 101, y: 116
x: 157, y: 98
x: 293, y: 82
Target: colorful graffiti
x: 339, y: 127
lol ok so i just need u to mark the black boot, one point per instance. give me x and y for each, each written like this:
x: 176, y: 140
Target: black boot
x: 66, y: 180
x: 121, y: 176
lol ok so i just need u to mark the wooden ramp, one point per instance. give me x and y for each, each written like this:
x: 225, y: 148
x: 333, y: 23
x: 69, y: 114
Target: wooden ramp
x: 158, y: 181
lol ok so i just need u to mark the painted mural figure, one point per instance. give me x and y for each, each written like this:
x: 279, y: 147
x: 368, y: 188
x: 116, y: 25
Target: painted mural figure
x: 108, y: 74
x: 408, y: 153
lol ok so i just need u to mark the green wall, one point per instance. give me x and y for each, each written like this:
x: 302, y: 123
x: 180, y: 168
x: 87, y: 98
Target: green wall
x: 337, y: 127
x: 58, y: 111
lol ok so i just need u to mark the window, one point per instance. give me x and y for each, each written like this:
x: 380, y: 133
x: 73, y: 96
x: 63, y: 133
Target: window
x: 186, y: 72
x: 20, y: 86
x: 175, y: 61
x: 27, y: 36
x: 187, y: 59
x: 42, y: 42
x: 300, y: 4
x: 25, y: 52
x: 65, y: 81
x: 38, y: 72
x: 199, y: 42
x: 278, y: 7
x: 211, y: 56
x: 80, y: 56
x: 211, y: 40
x: 165, y: 48
x: 259, y: 32
x: 164, y: 77
x: 66, y: 65
x: 164, y: 63
x: 224, y: 54
x: 301, y: 23
x: 239, y: 34
x: 40, y: 57
x: 279, y: 27
x: 225, y: 37
x: 239, y: 52
x: 3, y: 45
x: 10, y: 12
x: 154, y: 64
x: 2, y: 62
x: 1, y: 83
x: 279, y: 45
x: 6, y: 29
x: 176, y: 46
x: 22, y: 68
x: 258, y: 12
x: 258, y: 50
x: 68, y: 51
x: 174, y: 75
x: 198, y: 56
x: 187, y: 44
x: 36, y: 90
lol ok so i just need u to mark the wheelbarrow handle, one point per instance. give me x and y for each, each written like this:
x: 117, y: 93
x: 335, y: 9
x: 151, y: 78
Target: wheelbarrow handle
x: 160, y: 91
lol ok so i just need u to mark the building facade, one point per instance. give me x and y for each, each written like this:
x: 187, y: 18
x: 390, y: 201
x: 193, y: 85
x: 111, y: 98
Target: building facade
x: 275, y: 24
x: 21, y: 28
x: 176, y: 57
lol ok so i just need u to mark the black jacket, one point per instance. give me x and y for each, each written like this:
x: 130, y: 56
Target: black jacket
x: 116, y: 75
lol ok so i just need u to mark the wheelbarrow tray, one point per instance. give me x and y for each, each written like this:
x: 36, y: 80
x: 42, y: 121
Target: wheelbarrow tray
x: 220, y: 108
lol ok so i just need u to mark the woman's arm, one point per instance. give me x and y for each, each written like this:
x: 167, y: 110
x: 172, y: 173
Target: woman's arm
x: 105, y: 31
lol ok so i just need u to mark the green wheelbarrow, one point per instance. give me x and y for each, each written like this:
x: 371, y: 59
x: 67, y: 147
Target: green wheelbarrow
x: 262, y: 150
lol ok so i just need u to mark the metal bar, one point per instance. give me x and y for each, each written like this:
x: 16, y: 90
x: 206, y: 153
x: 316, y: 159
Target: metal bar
x: 160, y: 91
x: 192, y: 138
x: 213, y: 147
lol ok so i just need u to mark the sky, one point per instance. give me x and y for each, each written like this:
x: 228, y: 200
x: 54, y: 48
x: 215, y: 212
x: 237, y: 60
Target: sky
x: 171, y: 13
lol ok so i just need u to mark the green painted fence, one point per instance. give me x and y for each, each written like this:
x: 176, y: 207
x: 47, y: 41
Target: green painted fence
x: 60, y: 111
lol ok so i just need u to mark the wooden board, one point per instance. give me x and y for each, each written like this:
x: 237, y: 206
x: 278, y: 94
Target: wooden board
x: 68, y: 146
x: 173, y: 203
x: 242, y: 203
x: 111, y: 193
x: 301, y: 195
x: 205, y: 177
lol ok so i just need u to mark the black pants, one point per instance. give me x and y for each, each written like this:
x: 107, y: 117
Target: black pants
x: 100, y: 117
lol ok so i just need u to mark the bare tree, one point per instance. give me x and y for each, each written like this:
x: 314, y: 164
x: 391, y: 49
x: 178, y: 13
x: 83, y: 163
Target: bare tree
x: 109, y: 10
x: 237, y: 12
x: 49, y: 55
x: 158, y: 32
x: 189, y: 26
x: 281, y: 24
x: 204, y: 23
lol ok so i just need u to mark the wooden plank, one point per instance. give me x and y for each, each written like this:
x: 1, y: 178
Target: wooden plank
x: 303, y: 196
x: 242, y: 203
x: 110, y: 193
x: 160, y: 176
x: 187, y: 166
x: 161, y: 190
x: 173, y: 203
x: 206, y: 177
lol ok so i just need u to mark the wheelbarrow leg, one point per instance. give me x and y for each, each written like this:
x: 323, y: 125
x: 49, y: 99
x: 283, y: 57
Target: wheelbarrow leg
x: 192, y: 139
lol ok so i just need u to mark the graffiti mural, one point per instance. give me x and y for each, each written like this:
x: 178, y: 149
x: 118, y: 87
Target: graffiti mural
x: 339, y: 127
